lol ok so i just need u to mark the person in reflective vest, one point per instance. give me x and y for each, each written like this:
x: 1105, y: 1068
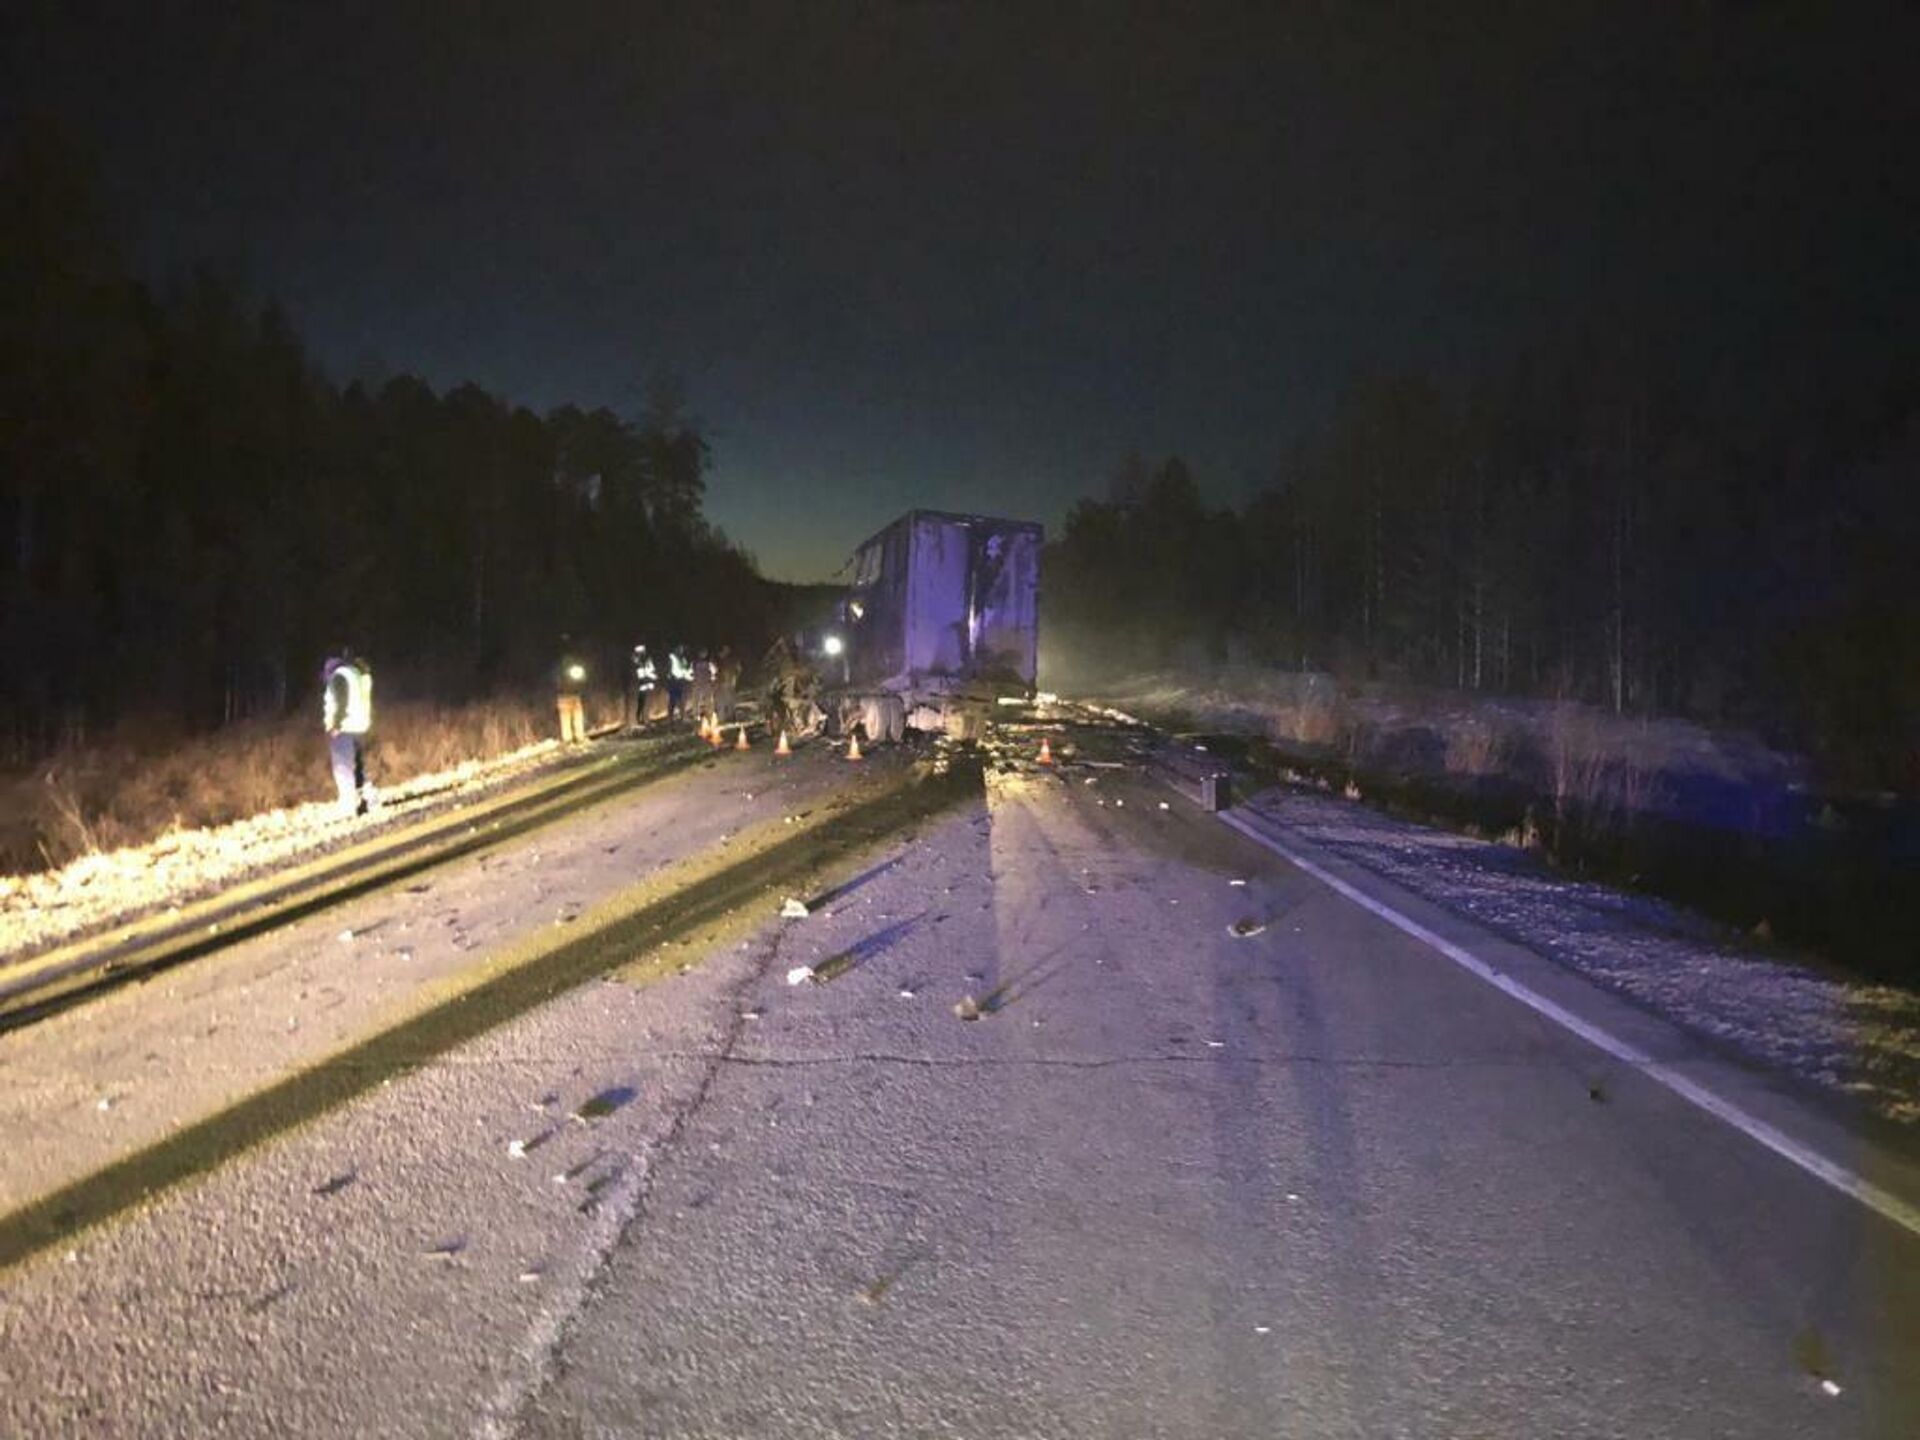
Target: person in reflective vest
x: 646, y: 680
x: 569, y: 686
x: 346, y: 713
x: 679, y: 678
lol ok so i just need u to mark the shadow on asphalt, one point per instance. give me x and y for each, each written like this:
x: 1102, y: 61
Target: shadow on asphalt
x: 59, y: 1216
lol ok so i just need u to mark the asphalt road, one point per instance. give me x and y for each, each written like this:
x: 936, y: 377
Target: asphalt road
x: 1213, y: 1159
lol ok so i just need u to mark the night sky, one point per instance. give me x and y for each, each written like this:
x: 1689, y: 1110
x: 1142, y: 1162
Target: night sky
x: 969, y: 257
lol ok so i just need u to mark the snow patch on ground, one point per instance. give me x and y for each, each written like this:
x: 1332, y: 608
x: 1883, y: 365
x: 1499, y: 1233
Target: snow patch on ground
x: 1847, y: 1037
x: 43, y: 909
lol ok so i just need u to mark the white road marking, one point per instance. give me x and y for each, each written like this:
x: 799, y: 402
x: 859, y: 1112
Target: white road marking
x: 1876, y: 1198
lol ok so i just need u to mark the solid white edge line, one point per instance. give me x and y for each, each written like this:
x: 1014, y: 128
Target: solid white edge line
x: 1882, y: 1201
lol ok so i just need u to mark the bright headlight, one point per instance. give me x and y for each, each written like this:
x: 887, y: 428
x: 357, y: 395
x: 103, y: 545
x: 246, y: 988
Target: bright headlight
x: 833, y: 645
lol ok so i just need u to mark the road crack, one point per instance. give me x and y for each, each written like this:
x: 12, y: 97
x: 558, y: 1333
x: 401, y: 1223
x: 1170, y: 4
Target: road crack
x: 617, y: 1215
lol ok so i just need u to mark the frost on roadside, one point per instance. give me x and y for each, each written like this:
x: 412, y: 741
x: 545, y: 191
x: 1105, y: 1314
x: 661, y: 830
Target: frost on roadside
x: 1841, y: 1035
x: 43, y: 909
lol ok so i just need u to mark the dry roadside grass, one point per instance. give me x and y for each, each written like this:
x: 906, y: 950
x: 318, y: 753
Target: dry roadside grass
x: 1580, y: 758
x: 105, y: 797
x: 1596, y: 767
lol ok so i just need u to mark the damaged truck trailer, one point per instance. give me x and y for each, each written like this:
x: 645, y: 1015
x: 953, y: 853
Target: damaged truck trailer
x: 940, y: 622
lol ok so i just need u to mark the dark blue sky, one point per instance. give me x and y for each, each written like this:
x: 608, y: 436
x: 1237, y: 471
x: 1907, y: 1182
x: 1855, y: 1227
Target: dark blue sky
x: 969, y: 257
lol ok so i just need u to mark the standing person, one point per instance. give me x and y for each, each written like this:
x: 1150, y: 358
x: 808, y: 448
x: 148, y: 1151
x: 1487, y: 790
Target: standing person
x: 569, y: 681
x: 701, y: 702
x: 346, y: 713
x: 679, y: 677
x: 645, y: 680
x: 790, y: 689
x: 726, y: 681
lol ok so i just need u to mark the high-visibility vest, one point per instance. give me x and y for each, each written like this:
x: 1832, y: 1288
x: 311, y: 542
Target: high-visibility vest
x: 346, y: 700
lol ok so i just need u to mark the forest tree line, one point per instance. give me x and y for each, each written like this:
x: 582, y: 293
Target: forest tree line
x: 192, y: 513
x: 1576, y: 527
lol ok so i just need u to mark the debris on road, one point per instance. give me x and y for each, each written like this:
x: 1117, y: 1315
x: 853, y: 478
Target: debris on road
x: 968, y: 1008
x: 445, y: 1249
x: 799, y: 973
x: 600, y: 1106
x: 794, y: 909
x: 517, y: 1149
x: 336, y: 1184
x: 832, y: 968
x: 1246, y: 927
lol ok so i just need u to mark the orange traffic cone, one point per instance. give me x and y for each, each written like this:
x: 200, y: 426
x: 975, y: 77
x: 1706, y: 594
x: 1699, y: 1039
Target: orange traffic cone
x: 706, y: 731
x: 853, y: 746
x: 741, y: 743
x: 1046, y: 751
x: 715, y: 737
x: 783, y: 748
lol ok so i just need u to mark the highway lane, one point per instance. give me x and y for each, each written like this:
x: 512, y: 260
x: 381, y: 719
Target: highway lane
x: 1214, y: 1159
x: 1310, y: 1181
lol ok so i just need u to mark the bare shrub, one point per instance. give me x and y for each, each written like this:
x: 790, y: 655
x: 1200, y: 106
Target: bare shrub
x: 1477, y: 746
x: 1525, y: 835
x: 1315, y: 719
x: 70, y: 833
x: 1575, y: 758
x: 1597, y: 769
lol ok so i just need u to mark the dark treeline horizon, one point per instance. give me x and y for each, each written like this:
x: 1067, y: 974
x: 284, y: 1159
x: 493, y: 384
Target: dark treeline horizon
x: 193, y: 514
x: 1581, y: 525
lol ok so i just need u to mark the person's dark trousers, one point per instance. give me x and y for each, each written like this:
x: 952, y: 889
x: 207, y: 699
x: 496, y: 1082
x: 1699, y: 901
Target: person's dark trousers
x: 349, y: 769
